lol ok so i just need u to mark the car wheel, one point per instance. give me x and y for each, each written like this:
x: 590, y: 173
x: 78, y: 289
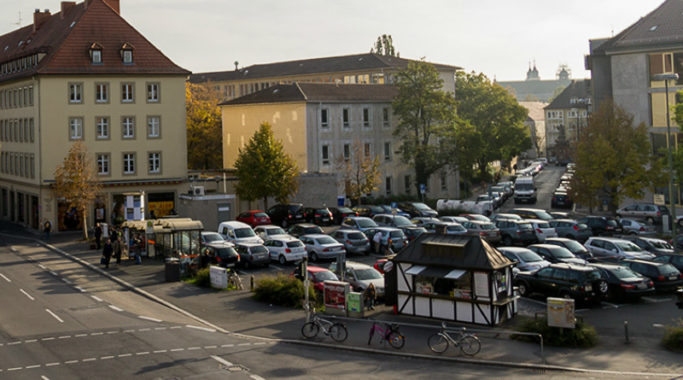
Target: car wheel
x: 603, y: 288
x: 523, y: 289
x: 282, y: 260
x: 314, y: 256
x: 650, y: 220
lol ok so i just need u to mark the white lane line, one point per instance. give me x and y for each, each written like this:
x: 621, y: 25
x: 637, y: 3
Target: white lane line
x: 55, y: 315
x: 41, y: 266
x: 66, y: 280
x: 149, y: 318
x: 227, y: 345
x: 89, y: 360
x: 115, y: 308
x: 177, y: 349
x: 160, y: 328
x: 71, y: 362
x: 259, y: 343
x: 27, y: 295
x: 657, y: 325
x: 5, y: 277
x: 160, y: 351
x: 244, y: 344
x: 256, y: 377
x: 30, y: 340
x: 13, y: 343
x: 129, y: 331
x: 221, y: 360
x: 14, y: 369
x: 65, y: 337
x: 52, y: 364
x: 209, y: 347
x: 96, y: 298
x: 200, y: 328
x: 176, y: 327
x: 44, y: 378
x: 193, y: 348
x: 107, y: 357
x: 145, y: 329
x: 96, y: 333
x: 142, y: 353
x: 50, y: 338
x: 80, y: 335
x: 112, y: 332
x: 32, y: 366
x: 79, y: 289
x: 54, y: 273
x: 125, y: 355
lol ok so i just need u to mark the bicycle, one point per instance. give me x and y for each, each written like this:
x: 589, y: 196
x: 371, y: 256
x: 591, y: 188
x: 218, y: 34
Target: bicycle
x: 335, y: 330
x: 389, y: 333
x: 469, y: 344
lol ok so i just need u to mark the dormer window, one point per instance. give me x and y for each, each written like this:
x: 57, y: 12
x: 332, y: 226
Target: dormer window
x: 127, y: 53
x: 96, y: 53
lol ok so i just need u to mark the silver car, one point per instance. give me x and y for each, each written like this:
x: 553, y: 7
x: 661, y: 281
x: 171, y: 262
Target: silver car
x: 637, y: 227
x: 354, y: 241
x: 320, y: 246
x: 360, y: 276
x: 609, y: 248
x: 648, y: 211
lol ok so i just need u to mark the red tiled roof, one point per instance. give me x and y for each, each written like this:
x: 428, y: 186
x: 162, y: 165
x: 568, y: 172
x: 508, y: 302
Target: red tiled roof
x: 66, y: 38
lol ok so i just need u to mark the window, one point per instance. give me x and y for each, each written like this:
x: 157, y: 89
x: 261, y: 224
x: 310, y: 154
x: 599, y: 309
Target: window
x: 31, y: 129
x: 324, y: 118
x: 129, y: 163
x: 96, y: 56
x: 366, y: 118
x: 75, y: 128
x: 326, y: 154
x: 154, y: 161
x: 102, y: 127
x: 345, y: 118
x: 101, y: 92
x: 406, y: 184
x: 385, y: 117
x: 387, y: 151
x: 103, y: 164
x: 154, y: 126
x: 127, y: 55
x: 367, y: 149
x: 153, y: 92
x: 387, y: 185
x: 75, y: 93
x: 444, y: 181
x: 347, y: 152
x: 128, y: 127
x: 127, y: 91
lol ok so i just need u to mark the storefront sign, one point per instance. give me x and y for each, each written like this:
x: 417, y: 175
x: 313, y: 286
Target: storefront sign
x: 335, y: 294
x: 219, y: 277
x: 354, y: 302
x: 561, y: 312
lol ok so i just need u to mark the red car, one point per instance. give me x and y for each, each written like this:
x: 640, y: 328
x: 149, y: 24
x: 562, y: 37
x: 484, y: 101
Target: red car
x: 317, y: 275
x: 254, y: 218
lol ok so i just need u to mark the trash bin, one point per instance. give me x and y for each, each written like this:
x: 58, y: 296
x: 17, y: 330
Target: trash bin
x: 172, y: 269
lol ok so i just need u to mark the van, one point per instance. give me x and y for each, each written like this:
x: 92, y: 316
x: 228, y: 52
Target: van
x: 525, y: 190
x: 238, y: 232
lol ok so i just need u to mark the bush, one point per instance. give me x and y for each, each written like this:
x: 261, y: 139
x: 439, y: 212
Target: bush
x: 673, y: 338
x: 202, y: 278
x: 282, y: 290
x: 582, y: 335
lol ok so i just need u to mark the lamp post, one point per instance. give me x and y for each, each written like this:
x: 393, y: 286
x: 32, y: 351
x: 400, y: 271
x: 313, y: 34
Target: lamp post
x: 666, y: 78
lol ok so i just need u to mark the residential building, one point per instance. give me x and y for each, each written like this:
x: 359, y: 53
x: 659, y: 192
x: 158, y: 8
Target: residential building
x: 533, y: 88
x: 319, y: 124
x: 569, y: 111
x: 85, y: 74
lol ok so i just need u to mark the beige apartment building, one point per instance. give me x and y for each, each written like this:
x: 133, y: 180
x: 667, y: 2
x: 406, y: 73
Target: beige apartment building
x: 570, y: 111
x: 85, y: 74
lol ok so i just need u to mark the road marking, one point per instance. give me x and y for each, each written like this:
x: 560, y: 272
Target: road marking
x: 193, y: 348
x: 27, y: 295
x: 14, y: 369
x: 32, y: 366
x: 52, y: 364
x: 259, y: 343
x: 50, y: 338
x: 228, y: 345
x: 209, y: 347
x: 657, y: 325
x: 14, y: 343
x: 201, y: 328
x: 655, y: 300
x: 96, y: 333
x: 112, y: 332
x: 80, y: 335
x: 96, y: 298
x: 79, y: 289
x: 41, y: 266
x: 149, y: 318
x: 44, y: 377
x: 30, y: 340
x: 610, y: 305
x: 145, y: 329
x: 89, y: 360
x: 107, y: 357
x: 142, y: 353
x: 71, y: 362
x: 5, y: 277
x: 66, y: 280
x: 125, y: 355
x: 160, y: 328
x: 54, y: 273
x: 129, y: 331
x: 222, y: 361
x: 65, y: 337
x: 177, y: 349
x: 115, y: 308
x: 54, y: 315
x: 244, y: 344
x: 176, y: 327
x: 256, y: 377
x: 159, y: 351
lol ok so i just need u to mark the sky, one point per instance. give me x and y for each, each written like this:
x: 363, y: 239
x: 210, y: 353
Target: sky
x: 499, y: 38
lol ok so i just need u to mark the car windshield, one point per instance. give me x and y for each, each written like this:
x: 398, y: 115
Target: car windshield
x: 326, y: 240
x: 623, y: 272
x: 355, y: 236
x: 397, y: 234
x: 295, y: 244
x: 244, y: 232
x: 259, y: 249
x: 344, y: 210
x: 421, y: 206
x: 525, y: 226
x: 275, y: 231
x: 524, y: 186
x: 226, y: 252
x: 540, y: 214
x: 574, y: 246
x: 487, y: 226
x: 260, y: 215
x: 543, y: 225
x: 401, y: 221
x: 325, y: 275
x: 366, y: 223
x: 660, y: 244
x: 295, y: 208
x: 627, y: 246
x: 213, y: 237
x: 313, y: 230
x: 456, y: 228
x: 561, y: 253
x: 668, y: 270
x: 367, y: 274
x: 529, y: 256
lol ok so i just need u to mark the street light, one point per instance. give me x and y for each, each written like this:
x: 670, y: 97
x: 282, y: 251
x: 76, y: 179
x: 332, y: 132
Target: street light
x: 666, y: 78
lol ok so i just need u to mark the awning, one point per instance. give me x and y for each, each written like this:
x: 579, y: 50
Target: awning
x: 415, y: 269
x: 435, y: 272
x: 455, y: 274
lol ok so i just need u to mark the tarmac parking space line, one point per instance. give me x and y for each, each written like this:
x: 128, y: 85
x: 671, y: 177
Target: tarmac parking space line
x: 656, y: 300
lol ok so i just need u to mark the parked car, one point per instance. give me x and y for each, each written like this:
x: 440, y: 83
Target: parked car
x: 422, y: 220
x: 580, y: 282
x: 388, y: 220
x: 222, y: 254
x: 286, y: 214
x: 304, y: 229
x: 542, y: 229
x: 487, y: 231
x: 254, y: 218
x: 516, y: 232
x: 238, y: 232
x: 479, y: 217
x: 494, y: 198
x: 453, y: 219
x: 572, y: 229
x: 657, y: 247
x: 560, y: 214
x: 614, y: 249
x: 321, y: 216
x: 269, y: 230
x: 317, y: 276
x: 573, y: 246
x: 340, y: 213
x: 390, y: 236
x: 394, y: 211
x: 561, y: 199
x: 285, y: 249
x: 354, y: 241
x: 602, y: 226
x: 556, y: 254
x: 624, y: 283
x: 360, y: 223
x: 211, y: 237
x: 532, y: 213
x: 252, y: 255
x: 526, y: 260
x: 413, y: 232
x: 380, y: 263
x: 360, y: 276
x: 321, y: 246
x: 649, y: 211
x: 674, y: 259
x: 636, y: 227
x: 504, y: 216
x: 500, y: 189
x: 665, y: 276
x: 416, y: 209
x: 368, y: 210
x: 509, y: 187
x: 446, y: 228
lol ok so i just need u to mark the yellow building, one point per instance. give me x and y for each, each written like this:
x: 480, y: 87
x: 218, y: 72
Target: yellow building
x: 85, y: 74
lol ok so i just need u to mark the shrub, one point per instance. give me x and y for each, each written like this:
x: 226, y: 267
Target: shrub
x: 281, y: 290
x: 673, y: 338
x: 582, y: 335
x: 202, y: 278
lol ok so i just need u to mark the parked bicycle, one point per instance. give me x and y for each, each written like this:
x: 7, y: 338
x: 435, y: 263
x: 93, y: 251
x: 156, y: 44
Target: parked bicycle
x: 469, y: 344
x: 389, y: 333
x: 335, y: 330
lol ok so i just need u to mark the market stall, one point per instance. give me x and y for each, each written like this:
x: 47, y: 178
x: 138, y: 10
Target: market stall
x: 458, y: 278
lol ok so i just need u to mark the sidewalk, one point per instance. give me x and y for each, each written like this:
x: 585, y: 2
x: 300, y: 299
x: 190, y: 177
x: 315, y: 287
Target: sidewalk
x: 237, y: 312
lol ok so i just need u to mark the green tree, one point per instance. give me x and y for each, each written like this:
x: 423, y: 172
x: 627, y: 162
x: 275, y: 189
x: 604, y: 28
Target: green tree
x: 562, y: 147
x: 203, y: 119
x: 496, y: 117
x: 265, y: 170
x: 76, y: 181
x: 384, y: 46
x: 614, y: 159
x: 360, y: 171
x: 427, y: 118
x: 678, y: 153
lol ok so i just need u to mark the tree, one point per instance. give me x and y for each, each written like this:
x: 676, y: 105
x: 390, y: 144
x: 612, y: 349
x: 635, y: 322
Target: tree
x: 427, y: 118
x: 360, y: 171
x: 495, y: 115
x: 204, y: 142
x: 265, y: 170
x: 76, y: 181
x: 384, y: 46
x: 614, y: 159
x: 561, y: 149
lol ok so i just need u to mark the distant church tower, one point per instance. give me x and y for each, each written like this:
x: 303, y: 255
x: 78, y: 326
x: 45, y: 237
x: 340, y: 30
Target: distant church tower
x: 532, y: 74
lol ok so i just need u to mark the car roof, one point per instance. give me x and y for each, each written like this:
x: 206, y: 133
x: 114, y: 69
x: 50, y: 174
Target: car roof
x: 514, y: 249
x: 548, y: 246
x: 578, y: 267
x: 608, y: 238
x: 357, y: 265
x: 357, y: 217
x: 282, y: 238
x: 565, y: 220
x: 646, y: 262
x: 234, y: 223
x: 557, y: 238
x: 248, y: 244
x: 382, y: 228
x: 312, y: 268
x: 267, y: 226
x: 219, y: 244
x: 210, y: 233
x: 316, y: 236
x: 305, y: 225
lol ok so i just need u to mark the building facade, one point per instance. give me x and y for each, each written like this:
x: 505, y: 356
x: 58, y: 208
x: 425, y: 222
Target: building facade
x: 85, y: 74
x: 534, y: 89
x: 568, y: 113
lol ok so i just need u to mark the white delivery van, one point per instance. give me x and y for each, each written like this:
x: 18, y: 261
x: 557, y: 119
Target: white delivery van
x: 525, y: 190
x: 238, y: 232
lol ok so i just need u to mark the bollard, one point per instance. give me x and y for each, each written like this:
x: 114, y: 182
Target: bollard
x: 626, y: 332
x: 251, y: 282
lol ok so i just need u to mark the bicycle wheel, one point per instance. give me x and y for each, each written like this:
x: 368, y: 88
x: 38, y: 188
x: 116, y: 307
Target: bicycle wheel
x: 309, y: 330
x: 469, y: 345
x: 396, y: 340
x: 438, y: 343
x: 338, y: 332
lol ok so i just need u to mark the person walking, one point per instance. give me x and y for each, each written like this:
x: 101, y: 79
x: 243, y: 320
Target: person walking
x: 47, y: 227
x: 98, y: 235
x: 116, y: 243
x: 377, y: 242
x: 370, y: 295
x: 107, y: 252
x: 137, y: 247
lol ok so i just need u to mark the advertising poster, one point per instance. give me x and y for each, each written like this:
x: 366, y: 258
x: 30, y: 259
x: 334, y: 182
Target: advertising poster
x: 335, y: 294
x: 561, y: 312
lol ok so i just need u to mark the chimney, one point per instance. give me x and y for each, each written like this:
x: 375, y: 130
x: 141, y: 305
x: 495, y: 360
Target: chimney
x: 39, y: 18
x: 115, y: 5
x: 65, y: 6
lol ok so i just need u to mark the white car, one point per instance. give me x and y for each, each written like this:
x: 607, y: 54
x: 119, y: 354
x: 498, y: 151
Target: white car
x: 321, y: 246
x: 285, y: 249
x: 267, y: 231
x: 542, y: 229
x: 614, y: 249
x: 238, y: 232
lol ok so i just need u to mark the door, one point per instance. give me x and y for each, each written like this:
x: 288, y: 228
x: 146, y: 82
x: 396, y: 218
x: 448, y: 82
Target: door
x: 223, y: 212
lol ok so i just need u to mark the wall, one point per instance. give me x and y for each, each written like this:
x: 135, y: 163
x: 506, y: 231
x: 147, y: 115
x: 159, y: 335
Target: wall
x: 630, y: 85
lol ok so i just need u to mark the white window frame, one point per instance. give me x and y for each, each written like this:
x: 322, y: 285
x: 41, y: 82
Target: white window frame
x: 101, y: 92
x: 102, y: 130
x: 75, y: 128
x: 325, y: 121
x: 127, y: 92
x: 153, y: 92
x: 96, y: 56
x: 75, y: 93
x: 128, y: 163
x: 154, y: 162
x: 128, y: 127
x: 103, y: 162
x: 154, y: 127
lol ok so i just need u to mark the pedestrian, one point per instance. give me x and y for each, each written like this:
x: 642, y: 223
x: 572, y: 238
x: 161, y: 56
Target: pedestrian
x: 98, y: 235
x: 47, y: 227
x: 107, y: 252
x: 370, y: 295
x: 116, y: 243
x: 152, y: 215
x: 377, y: 242
x: 137, y: 246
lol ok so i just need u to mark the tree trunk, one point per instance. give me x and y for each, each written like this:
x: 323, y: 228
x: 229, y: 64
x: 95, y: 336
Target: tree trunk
x: 84, y: 212
x: 265, y: 203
